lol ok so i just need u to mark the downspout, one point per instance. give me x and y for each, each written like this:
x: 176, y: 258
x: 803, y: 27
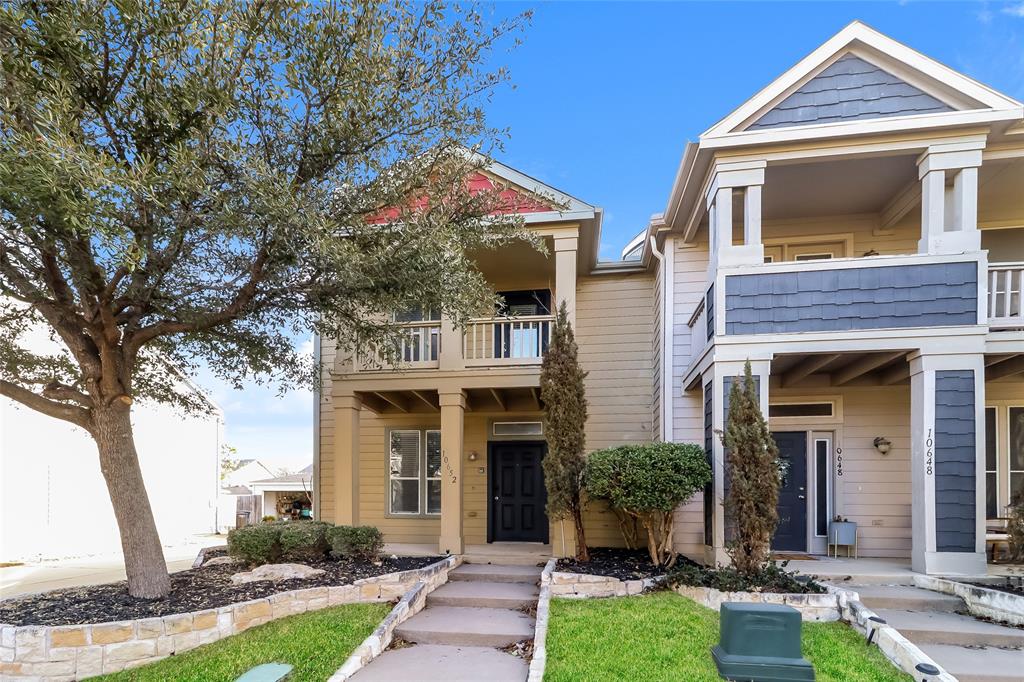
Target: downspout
x: 667, y: 328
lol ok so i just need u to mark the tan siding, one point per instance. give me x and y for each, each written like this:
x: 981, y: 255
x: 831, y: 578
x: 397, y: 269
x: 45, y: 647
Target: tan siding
x: 656, y: 334
x: 324, y: 475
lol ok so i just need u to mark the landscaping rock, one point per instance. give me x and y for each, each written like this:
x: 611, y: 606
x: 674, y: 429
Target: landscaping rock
x: 222, y: 561
x: 276, y: 572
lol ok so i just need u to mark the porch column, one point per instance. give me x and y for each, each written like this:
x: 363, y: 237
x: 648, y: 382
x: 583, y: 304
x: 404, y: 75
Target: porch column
x: 747, y: 178
x: 717, y: 382
x: 565, y: 274
x: 453, y: 407
x: 347, y: 409
x: 947, y: 427
x: 949, y: 215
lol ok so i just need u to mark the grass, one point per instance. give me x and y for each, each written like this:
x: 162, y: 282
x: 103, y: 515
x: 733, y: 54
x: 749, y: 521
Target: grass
x: 315, y: 643
x: 665, y: 636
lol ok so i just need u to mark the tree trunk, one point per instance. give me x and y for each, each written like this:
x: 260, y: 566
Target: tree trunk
x: 582, y: 552
x: 143, y: 557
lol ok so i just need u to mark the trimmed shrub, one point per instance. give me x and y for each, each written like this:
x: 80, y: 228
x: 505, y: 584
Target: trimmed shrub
x: 256, y: 544
x: 768, y: 578
x: 305, y: 540
x: 643, y: 484
x: 356, y: 542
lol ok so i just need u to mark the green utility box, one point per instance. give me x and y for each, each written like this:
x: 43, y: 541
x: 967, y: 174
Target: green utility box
x: 760, y: 643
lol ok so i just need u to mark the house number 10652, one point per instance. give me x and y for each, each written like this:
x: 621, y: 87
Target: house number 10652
x: 928, y: 443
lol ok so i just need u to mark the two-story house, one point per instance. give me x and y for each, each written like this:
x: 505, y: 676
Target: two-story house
x: 855, y: 230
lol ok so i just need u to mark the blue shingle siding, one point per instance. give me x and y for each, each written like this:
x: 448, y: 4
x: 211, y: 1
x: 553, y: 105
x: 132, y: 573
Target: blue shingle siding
x: 955, y: 456
x: 926, y: 295
x: 850, y: 89
x: 709, y: 489
x: 709, y: 307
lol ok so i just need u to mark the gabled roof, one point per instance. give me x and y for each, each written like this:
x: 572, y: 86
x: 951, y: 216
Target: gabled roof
x: 880, y: 77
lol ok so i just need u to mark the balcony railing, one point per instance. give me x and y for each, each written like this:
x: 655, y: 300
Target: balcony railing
x: 1005, y: 283
x: 507, y: 341
x: 419, y: 348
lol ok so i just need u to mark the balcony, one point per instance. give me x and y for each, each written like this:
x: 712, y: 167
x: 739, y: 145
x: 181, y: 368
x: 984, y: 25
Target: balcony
x: 1005, y: 283
x: 485, y: 342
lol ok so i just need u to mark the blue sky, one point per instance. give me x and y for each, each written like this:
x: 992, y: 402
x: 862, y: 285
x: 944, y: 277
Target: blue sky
x: 607, y: 95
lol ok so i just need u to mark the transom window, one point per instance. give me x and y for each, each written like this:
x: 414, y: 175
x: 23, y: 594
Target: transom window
x: 414, y: 472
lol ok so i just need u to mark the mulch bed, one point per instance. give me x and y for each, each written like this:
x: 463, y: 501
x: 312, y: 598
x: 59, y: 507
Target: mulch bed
x: 196, y: 589
x: 624, y: 564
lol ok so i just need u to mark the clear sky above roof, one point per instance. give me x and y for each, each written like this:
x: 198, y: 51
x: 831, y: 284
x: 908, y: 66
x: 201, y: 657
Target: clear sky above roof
x: 607, y: 94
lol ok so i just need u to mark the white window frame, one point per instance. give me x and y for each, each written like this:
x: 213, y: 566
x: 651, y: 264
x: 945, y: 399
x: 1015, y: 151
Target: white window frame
x: 999, y: 440
x: 422, y: 478
x: 829, y: 502
x: 835, y: 418
x: 1010, y: 471
x: 427, y: 478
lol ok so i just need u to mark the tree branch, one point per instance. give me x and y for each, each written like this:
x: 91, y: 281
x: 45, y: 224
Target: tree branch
x: 78, y: 416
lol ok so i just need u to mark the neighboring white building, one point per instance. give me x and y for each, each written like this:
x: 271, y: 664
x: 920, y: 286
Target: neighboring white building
x: 54, y: 501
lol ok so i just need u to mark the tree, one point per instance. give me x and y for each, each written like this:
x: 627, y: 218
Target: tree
x: 187, y: 183
x: 645, y: 484
x: 229, y: 461
x: 565, y: 413
x: 752, y: 465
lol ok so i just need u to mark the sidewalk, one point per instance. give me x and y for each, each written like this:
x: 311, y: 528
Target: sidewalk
x: 43, y: 576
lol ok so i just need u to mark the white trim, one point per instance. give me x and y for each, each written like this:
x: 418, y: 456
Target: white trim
x: 667, y: 259
x: 857, y: 33
x: 816, y: 437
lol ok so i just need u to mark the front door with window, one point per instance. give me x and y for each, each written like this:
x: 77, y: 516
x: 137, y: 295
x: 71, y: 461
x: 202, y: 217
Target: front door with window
x: 516, y: 511
x: 791, y: 533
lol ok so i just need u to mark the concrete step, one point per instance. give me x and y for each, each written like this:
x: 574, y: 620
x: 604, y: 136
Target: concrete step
x: 493, y: 573
x: 903, y: 598
x: 989, y: 664
x: 429, y: 662
x: 537, y: 559
x: 950, y: 628
x: 466, y: 626
x: 485, y: 594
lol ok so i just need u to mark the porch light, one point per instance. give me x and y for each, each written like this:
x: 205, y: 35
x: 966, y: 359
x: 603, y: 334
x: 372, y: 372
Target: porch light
x: 472, y: 456
x: 883, y: 444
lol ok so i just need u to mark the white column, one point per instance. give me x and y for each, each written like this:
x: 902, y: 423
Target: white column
x: 936, y: 424
x: 752, y: 216
x: 954, y: 230
x: 747, y: 177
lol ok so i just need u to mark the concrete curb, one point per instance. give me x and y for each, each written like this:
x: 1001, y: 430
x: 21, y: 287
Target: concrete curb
x: 903, y: 653
x: 981, y: 601
x: 411, y: 603
x: 540, y: 633
x: 77, y: 651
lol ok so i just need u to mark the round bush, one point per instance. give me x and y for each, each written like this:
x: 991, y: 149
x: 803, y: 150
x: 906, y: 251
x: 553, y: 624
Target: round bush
x: 256, y: 544
x: 356, y: 542
x: 305, y: 540
x: 647, y: 477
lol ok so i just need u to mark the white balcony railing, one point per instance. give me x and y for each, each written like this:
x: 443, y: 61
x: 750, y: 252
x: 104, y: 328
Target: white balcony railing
x: 419, y: 348
x: 507, y: 340
x: 1005, y: 283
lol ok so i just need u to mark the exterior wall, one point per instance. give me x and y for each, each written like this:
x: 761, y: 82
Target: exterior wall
x: 49, y: 474
x: 656, y: 360
x: 323, y: 464
x: 955, y: 461
x: 1004, y: 394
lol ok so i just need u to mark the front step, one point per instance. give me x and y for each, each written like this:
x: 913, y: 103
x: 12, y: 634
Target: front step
x: 430, y: 662
x: 485, y: 595
x: 537, y: 559
x: 492, y: 573
x: 950, y: 628
x: 989, y: 664
x: 467, y: 626
x: 903, y: 598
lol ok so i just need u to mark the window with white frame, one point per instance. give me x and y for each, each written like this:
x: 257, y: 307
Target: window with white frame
x: 1016, y: 449
x: 414, y: 472
x: 991, y: 464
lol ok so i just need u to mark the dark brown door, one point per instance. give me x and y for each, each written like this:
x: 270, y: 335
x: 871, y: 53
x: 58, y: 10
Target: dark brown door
x: 791, y: 533
x: 517, y: 492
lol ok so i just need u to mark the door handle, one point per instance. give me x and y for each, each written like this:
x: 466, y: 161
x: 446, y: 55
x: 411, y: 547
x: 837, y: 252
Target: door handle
x: 802, y: 497
x: 495, y: 498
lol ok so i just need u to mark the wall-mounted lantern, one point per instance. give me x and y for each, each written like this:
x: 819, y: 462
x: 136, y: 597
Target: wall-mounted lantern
x: 883, y: 445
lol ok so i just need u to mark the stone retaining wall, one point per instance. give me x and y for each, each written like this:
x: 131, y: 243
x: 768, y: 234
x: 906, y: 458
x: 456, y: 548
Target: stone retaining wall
x: 812, y: 607
x: 540, y: 631
x: 70, y: 652
x: 981, y: 601
x: 585, y: 585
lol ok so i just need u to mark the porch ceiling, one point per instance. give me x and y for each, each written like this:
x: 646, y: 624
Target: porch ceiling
x: 887, y: 368
x: 425, y: 401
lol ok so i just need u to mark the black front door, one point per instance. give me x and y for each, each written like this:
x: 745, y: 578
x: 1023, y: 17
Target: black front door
x: 517, y: 492
x: 791, y: 533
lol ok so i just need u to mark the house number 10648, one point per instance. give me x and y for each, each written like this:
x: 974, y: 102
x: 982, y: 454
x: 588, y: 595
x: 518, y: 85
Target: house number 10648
x: 928, y: 443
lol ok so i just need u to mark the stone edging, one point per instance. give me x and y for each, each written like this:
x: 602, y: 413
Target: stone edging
x: 812, y: 607
x: 411, y: 603
x: 981, y: 601
x: 903, y: 653
x: 585, y: 585
x: 201, y: 557
x: 540, y: 632
x: 69, y: 652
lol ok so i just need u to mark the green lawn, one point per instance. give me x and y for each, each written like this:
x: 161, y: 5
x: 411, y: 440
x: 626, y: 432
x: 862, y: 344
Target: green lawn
x: 315, y: 643
x: 665, y: 636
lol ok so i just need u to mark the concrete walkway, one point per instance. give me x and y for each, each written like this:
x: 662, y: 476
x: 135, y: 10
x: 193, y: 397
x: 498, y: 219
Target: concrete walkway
x: 43, y: 576
x: 463, y: 629
x: 971, y: 650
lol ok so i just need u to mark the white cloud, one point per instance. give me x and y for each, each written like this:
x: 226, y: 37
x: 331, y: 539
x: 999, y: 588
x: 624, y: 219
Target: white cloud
x: 1015, y: 10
